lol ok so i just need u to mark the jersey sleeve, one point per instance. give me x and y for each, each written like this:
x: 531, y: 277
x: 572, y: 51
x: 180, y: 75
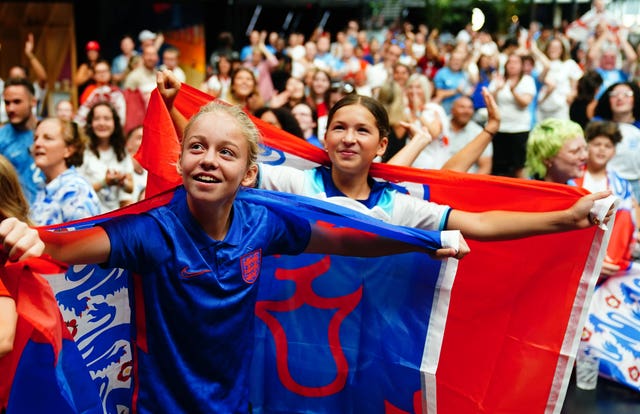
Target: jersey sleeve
x: 420, y: 214
x: 290, y: 233
x: 281, y: 178
x: 132, y: 239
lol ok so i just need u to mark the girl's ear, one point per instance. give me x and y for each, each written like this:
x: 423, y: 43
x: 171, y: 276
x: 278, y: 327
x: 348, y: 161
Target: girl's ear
x: 382, y: 146
x: 179, y: 165
x: 250, y: 177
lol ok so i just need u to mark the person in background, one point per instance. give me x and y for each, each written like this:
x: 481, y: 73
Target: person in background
x: 620, y: 103
x: 582, y: 108
x: 307, y: 122
x: 243, y: 90
x: 292, y: 95
x: 58, y: 148
x: 318, y: 97
x: 559, y: 76
x: 134, y: 140
x: 120, y: 64
x: 16, y: 137
x: 513, y: 91
x: 64, y: 110
x: 452, y: 81
x: 102, y: 90
x: 401, y: 74
x: 462, y: 129
x: 280, y: 118
x: 262, y: 62
x: 22, y: 72
x: 171, y: 61
x: 85, y: 72
x: 392, y: 96
x: 218, y: 84
x: 106, y: 163
x: 149, y: 38
x: 430, y: 117
x: 143, y: 78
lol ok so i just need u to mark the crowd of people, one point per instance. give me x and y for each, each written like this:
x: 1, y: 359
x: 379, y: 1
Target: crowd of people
x: 512, y: 105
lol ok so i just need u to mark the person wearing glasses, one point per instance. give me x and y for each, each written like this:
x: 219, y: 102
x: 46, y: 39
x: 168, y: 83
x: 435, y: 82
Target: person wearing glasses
x: 620, y: 103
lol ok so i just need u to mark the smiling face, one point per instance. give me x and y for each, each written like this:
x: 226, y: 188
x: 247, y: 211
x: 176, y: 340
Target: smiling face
x: 320, y: 83
x: 243, y: 84
x: 50, y: 149
x: 214, y: 160
x: 102, y: 122
x: 601, y: 150
x: 353, y: 140
x: 569, y: 162
x: 621, y: 99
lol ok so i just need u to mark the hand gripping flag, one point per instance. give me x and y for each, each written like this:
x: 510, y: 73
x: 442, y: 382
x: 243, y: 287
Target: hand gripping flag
x: 499, y: 337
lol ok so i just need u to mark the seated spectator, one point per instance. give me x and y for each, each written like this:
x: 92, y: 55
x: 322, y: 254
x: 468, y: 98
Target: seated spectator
x: 58, y: 148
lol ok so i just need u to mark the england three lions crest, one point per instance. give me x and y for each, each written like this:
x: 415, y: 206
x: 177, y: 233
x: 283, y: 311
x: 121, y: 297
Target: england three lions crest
x: 250, y: 265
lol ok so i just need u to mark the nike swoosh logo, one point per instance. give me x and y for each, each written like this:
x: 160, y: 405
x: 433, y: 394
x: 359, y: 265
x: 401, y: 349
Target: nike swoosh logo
x: 186, y: 274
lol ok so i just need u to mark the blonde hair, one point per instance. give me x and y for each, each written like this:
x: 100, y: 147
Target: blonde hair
x: 245, y: 123
x: 545, y: 141
x: 391, y: 97
x: 12, y: 200
x: 424, y: 83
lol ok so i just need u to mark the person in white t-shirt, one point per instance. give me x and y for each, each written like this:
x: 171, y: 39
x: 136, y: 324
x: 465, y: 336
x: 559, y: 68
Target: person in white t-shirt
x: 513, y: 91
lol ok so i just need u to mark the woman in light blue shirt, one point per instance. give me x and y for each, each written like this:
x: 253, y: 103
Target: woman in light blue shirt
x: 57, y: 149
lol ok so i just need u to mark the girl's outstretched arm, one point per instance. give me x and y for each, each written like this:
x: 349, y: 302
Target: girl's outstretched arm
x: 504, y: 225
x: 19, y: 241
x: 349, y: 242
